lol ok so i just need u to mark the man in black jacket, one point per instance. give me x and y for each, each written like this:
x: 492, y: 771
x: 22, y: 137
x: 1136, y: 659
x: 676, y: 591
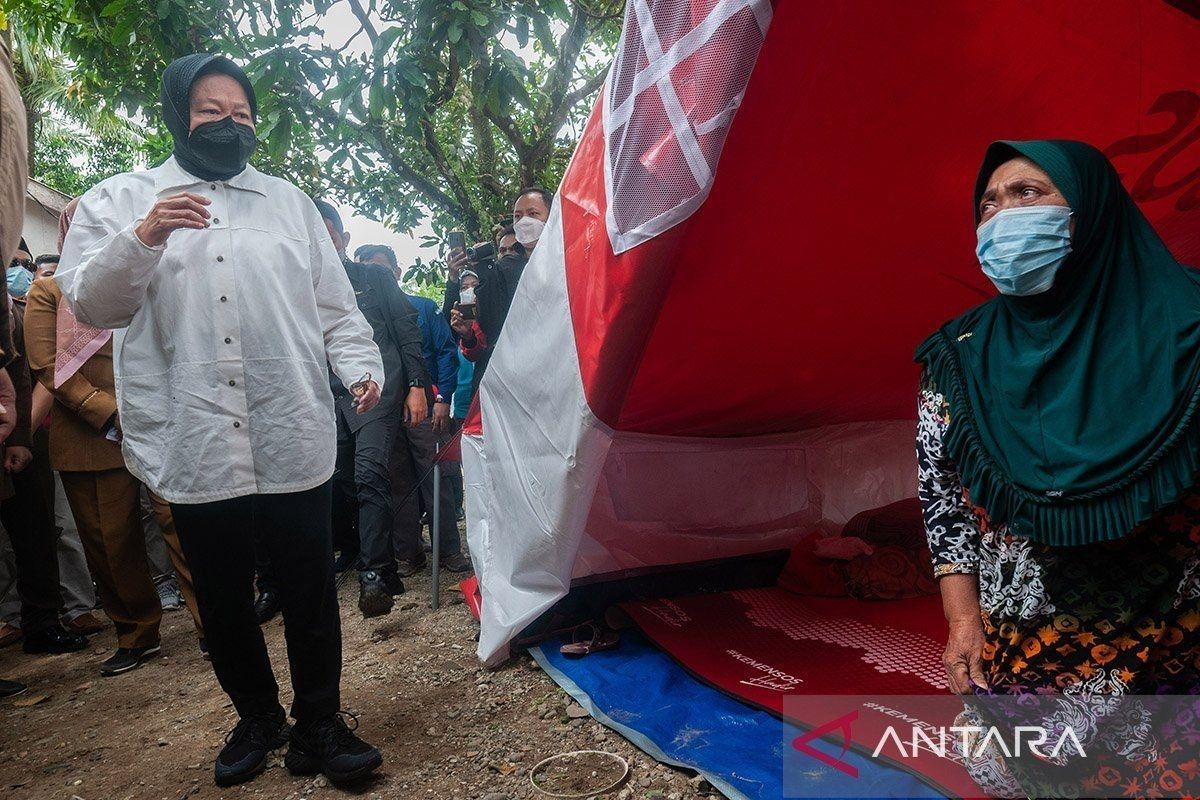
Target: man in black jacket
x: 365, y: 440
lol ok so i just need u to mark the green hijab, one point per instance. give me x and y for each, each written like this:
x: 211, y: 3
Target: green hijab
x: 1074, y: 411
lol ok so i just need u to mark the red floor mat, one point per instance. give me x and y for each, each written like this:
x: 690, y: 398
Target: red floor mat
x: 765, y: 645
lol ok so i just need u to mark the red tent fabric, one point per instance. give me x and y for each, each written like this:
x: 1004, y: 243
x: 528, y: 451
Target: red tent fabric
x: 711, y: 350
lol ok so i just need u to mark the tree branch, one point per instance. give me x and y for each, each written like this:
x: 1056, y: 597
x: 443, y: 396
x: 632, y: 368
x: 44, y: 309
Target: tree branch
x: 569, y: 47
x: 386, y: 150
x: 446, y: 91
x: 434, y: 148
x: 587, y: 89
x: 365, y: 20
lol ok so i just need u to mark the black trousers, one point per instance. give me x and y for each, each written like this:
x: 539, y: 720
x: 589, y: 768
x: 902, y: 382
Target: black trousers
x: 28, y: 516
x: 362, y: 491
x: 218, y: 541
x: 412, y: 491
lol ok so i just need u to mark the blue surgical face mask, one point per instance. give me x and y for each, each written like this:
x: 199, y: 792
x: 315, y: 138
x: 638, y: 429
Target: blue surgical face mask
x: 1022, y: 249
x: 19, y: 280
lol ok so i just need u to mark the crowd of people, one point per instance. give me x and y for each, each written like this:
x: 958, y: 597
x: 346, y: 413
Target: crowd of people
x: 209, y: 402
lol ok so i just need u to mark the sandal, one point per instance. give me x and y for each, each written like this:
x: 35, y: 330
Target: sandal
x: 590, y: 638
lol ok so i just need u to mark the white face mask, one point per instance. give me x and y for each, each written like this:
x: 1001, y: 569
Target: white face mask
x: 529, y: 230
x: 1022, y: 249
x: 467, y: 296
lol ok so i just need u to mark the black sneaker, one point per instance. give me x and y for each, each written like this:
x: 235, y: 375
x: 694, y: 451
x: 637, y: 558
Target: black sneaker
x: 329, y: 746
x: 394, y: 585
x: 266, y: 607
x: 11, y: 688
x: 128, y: 658
x: 406, y: 567
x: 456, y: 562
x: 374, y: 599
x: 54, y: 639
x: 247, y: 747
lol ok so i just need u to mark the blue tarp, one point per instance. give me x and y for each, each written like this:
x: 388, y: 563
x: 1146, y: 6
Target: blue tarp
x: 640, y: 692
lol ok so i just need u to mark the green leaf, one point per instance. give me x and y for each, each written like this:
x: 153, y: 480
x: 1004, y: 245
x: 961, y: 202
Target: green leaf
x: 375, y: 99
x: 114, y: 8
x: 411, y: 74
x: 386, y: 39
x: 455, y: 33
x: 479, y: 18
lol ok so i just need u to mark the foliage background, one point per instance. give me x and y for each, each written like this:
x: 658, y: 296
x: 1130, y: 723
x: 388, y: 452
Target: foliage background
x: 407, y: 110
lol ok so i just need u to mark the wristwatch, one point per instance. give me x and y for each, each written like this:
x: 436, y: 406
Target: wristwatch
x: 439, y: 399
x: 416, y: 383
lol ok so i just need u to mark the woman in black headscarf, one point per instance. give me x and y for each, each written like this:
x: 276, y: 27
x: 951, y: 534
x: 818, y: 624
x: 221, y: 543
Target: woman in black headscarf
x: 216, y: 149
x: 232, y: 300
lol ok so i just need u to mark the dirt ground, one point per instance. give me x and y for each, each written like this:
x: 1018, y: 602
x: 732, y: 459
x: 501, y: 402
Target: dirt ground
x: 447, y: 727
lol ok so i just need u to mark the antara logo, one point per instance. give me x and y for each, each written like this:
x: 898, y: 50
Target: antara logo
x: 974, y: 741
x: 952, y: 742
x: 841, y: 724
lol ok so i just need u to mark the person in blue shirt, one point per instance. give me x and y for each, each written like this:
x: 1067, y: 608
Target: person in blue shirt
x: 413, y: 455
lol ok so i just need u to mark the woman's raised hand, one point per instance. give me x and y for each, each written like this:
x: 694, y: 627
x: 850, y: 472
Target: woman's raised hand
x: 169, y: 214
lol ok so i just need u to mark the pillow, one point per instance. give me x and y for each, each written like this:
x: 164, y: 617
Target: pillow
x: 897, y: 564
x: 900, y: 566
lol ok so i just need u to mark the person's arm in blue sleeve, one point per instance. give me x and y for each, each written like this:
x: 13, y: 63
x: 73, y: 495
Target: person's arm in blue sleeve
x: 445, y: 352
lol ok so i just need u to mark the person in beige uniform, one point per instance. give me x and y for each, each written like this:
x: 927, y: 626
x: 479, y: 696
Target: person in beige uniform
x: 103, y: 495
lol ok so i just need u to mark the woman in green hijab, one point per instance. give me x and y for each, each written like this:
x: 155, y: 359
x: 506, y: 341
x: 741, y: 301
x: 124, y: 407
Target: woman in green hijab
x: 1058, y: 444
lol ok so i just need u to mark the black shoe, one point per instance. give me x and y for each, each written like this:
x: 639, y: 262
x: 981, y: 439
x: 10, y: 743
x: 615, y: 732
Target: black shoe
x: 456, y: 562
x: 345, y: 560
x: 11, y: 688
x: 54, y: 639
x: 374, y: 599
x: 395, y: 586
x: 330, y: 747
x: 266, y: 607
x: 405, y: 567
x: 128, y: 658
x: 247, y: 747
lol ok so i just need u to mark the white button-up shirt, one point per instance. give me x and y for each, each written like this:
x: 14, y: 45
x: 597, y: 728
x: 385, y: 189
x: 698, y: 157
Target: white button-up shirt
x: 221, y: 367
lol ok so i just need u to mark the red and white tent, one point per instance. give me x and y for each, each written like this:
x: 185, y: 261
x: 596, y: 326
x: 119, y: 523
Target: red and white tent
x: 711, y: 349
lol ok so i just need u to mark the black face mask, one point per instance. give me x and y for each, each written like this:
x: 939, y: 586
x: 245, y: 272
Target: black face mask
x: 218, y: 150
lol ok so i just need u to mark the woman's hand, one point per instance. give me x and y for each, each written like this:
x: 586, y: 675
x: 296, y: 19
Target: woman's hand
x: 169, y: 214
x: 462, y: 326
x: 366, y: 396
x: 963, y: 658
x: 964, y: 655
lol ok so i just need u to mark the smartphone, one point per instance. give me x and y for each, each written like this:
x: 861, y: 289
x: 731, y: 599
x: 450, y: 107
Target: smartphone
x: 456, y: 240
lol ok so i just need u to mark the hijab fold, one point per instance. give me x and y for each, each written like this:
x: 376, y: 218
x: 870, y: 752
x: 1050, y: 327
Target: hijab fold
x: 1074, y: 411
